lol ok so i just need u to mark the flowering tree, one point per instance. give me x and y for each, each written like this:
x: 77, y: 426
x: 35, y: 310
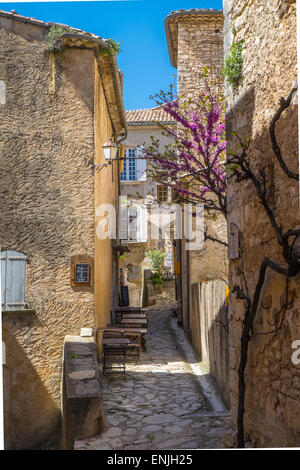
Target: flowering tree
x: 193, y: 164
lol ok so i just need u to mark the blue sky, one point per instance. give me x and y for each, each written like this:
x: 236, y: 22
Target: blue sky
x: 138, y: 25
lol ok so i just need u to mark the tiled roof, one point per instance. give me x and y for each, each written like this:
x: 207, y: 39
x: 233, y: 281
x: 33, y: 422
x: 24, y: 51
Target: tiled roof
x: 196, y: 11
x: 148, y: 116
x: 46, y: 24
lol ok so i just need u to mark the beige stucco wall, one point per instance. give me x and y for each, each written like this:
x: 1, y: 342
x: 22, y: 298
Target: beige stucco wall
x: 269, y: 72
x: 48, y: 197
x: 106, y: 192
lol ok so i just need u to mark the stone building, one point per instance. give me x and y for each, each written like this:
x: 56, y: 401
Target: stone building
x: 57, y: 110
x: 143, y: 196
x: 195, y: 41
x: 269, y: 72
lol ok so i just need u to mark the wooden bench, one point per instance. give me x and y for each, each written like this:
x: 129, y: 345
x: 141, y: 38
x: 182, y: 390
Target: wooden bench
x: 129, y: 331
x: 134, y: 322
x: 120, y: 311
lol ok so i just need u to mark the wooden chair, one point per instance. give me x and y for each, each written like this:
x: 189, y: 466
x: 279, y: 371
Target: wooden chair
x: 132, y: 347
x: 114, y: 354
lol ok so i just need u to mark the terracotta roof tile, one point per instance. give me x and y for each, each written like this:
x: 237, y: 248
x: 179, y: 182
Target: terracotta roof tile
x: 196, y: 10
x: 148, y: 116
x: 28, y: 19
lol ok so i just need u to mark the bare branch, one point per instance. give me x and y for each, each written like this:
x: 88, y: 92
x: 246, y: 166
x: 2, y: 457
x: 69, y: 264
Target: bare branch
x: 284, y: 104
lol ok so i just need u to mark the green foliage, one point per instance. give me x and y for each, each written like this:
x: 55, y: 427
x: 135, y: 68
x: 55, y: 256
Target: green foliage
x: 234, y: 63
x: 53, y: 38
x: 115, y: 45
x: 157, y: 257
x: 114, y: 48
x: 157, y: 280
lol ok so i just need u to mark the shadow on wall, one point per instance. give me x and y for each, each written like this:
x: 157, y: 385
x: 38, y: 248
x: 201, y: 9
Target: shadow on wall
x: 272, y: 398
x: 32, y: 419
x: 209, y: 331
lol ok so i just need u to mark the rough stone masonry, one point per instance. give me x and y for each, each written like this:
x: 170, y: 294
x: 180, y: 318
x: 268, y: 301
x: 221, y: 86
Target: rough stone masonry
x: 269, y: 72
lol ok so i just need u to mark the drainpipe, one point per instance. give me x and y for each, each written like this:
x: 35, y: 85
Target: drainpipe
x: 118, y: 141
x: 187, y: 292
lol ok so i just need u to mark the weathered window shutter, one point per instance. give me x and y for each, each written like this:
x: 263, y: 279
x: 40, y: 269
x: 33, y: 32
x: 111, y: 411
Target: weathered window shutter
x: 142, y: 224
x: 13, y: 272
x: 133, y: 224
x: 123, y: 226
x: 141, y: 164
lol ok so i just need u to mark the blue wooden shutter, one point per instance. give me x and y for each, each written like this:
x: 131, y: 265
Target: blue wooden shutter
x: 13, y: 271
x: 141, y: 164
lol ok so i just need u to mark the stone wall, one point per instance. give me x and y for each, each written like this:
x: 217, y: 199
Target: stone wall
x: 269, y: 72
x: 200, y: 44
x: 209, y: 331
x: 82, y: 407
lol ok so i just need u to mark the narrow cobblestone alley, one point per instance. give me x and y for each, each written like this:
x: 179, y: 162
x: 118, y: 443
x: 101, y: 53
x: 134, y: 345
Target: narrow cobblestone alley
x: 159, y: 405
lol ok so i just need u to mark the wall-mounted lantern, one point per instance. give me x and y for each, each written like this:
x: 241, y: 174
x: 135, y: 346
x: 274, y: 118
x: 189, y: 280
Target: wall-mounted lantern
x: 110, y: 150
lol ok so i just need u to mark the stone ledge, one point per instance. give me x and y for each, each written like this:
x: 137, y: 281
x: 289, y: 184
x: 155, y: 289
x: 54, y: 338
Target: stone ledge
x: 82, y: 407
x: 25, y: 311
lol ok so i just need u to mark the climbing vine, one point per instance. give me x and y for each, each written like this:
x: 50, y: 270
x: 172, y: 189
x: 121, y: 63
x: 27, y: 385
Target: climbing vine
x: 233, y: 67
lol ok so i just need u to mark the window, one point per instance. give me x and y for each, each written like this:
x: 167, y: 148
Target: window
x: 13, y: 275
x: 134, y: 168
x: 133, y: 224
x: 162, y: 193
x: 82, y: 273
x: 129, y: 168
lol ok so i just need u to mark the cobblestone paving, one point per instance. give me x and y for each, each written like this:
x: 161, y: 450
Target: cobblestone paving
x: 159, y: 405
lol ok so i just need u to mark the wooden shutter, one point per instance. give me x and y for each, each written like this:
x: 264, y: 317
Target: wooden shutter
x: 132, y: 224
x: 140, y: 165
x: 13, y: 272
x: 142, y: 224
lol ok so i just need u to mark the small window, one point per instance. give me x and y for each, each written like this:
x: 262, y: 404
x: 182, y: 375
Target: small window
x: 162, y: 193
x: 82, y: 273
x: 13, y: 276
